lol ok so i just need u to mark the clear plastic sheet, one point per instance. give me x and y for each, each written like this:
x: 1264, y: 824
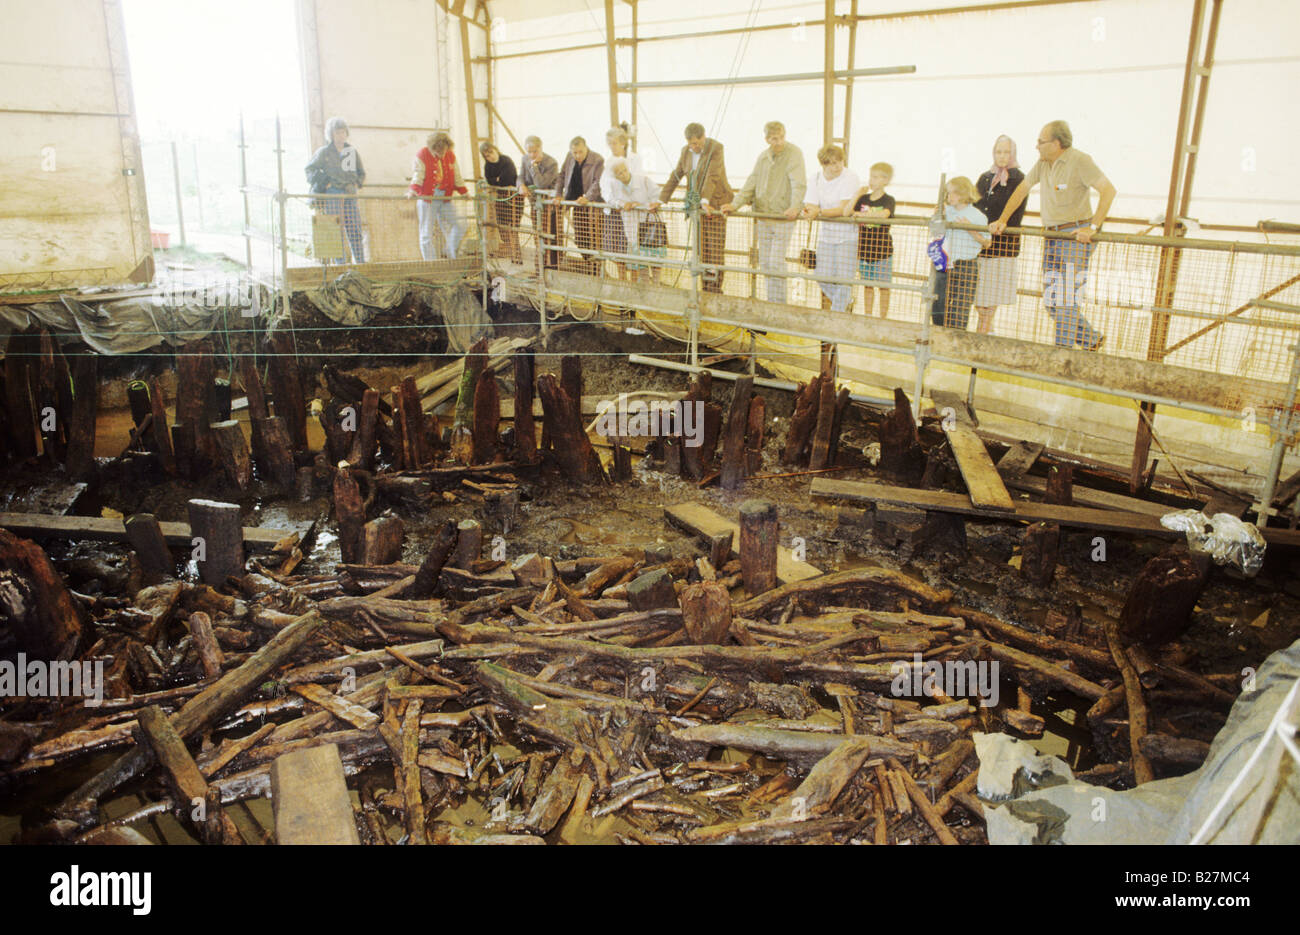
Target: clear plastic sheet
x: 1225, y: 538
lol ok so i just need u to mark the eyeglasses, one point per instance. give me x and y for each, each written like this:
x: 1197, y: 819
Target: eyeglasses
x: 1045, y: 142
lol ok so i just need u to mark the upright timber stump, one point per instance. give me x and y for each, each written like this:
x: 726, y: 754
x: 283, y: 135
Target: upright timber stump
x: 759, y: 531
x: 220, y: 534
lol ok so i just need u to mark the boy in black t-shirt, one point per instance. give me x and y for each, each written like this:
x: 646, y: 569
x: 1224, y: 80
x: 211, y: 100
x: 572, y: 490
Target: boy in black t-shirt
x: 875, y: 242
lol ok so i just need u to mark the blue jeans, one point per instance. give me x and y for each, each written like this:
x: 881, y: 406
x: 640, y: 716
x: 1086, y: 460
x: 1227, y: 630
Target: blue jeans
x: 1065, y: 275
x: 443, y: 212
x: 351, y: 222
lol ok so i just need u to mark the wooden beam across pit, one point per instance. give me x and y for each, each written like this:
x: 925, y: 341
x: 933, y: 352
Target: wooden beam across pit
x: 41, y: 526
x: 1025, y: 511
x: 977, y: 469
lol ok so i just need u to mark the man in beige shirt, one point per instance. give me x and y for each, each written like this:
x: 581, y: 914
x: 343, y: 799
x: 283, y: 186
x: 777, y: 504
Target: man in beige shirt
x: 1067, y: 178
x: 775, y: 187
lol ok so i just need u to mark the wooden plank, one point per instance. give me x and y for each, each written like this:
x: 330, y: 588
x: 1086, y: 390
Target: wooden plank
x: 982, y: 479
x: 311, y: 799
x: 701, y: 521
x: 1101, y: 499
x: 943, y: 399
x: 1025, y: 511
x: 42, y: 526
x: 1018, y: 459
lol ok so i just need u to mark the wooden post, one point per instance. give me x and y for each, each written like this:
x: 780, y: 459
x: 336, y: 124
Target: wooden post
x: 338, y: 439
x: 417, y: 447
x: 81, y: 432
x: 162, y: 436
x: 806, y: 400
x: 469, y: 544
x: 841, y: 408
x: 145, y: 536
x: 137, y: 398
x: 1160, y: 602
x: 232, y: 451
x: 733, y: 442
x: 652, y: 590
x: 350, y: 512
x: 382, y: 540
x: 18, y: 402
x: 363, y: 445
x: 195, y: 373
x: 759, y: 532
x: 901, y: 454
x: 400, y: 450
x: 48, y: 624
x: 821, y: 447
x: 487, y: 417
x: 426, y: 579
x: 183, y: 448
x: 706, y: 612
x: 621, y: 469
x: 525, y: 427
x: 1042, y: 540
x: 276, y: 464
x: 286, y: 387
x: 754, y: 435
x: 571, y: 382
x: 573, y: 450
x: 221, y: 534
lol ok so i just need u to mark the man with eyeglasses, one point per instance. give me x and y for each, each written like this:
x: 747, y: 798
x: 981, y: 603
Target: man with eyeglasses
x: 1067, y: 178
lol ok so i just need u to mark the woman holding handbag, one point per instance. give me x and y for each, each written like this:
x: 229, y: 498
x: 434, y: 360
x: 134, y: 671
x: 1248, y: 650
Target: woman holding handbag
x: 335, y: 169
x: 634, y: 195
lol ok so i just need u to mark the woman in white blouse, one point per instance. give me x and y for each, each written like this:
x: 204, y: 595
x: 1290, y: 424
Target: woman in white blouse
x: 614, y: 238
x: 830, y: 195
x: 635, y: 198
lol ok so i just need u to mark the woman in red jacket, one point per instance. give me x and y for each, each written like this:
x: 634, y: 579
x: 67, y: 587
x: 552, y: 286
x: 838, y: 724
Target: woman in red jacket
x: 436, y: 176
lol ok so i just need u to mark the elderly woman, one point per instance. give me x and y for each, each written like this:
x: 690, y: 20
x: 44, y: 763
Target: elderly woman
x: 830, y: 195
x: 997, y: 262
x: 434, y: 179
x: 336, y: 169
x: 507, y: 204
x: 614, y: 239
x: 633, y: 194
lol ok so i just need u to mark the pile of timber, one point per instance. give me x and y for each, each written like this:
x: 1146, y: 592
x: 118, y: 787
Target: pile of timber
x: 621, y: 676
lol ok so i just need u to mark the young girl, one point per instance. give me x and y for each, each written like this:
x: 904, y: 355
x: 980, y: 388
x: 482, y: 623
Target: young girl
x: 830, y: 195
x: 955, y: 286
x: 997, y: 264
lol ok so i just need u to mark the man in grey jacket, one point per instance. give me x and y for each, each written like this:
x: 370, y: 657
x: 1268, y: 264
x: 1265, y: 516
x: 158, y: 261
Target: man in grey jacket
x: 580, y: 183
x: 539, y: 173
x: 775, y: 187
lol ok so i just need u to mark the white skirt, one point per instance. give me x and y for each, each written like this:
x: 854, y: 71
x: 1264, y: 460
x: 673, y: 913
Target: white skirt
x: 997, y: 283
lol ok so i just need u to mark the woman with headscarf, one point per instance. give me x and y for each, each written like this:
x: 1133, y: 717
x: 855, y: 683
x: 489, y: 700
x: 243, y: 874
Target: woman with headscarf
x: 635, y: 198
x: 335, y: 169
x: 435, y: 178
x: 614, y: 236
x: 997, y: 262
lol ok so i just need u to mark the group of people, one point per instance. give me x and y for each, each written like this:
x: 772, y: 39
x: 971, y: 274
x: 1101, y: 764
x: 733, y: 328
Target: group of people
x: 612, y: 207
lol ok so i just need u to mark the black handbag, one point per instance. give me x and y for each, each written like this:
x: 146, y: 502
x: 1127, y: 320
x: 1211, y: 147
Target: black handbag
x: 652, y: 232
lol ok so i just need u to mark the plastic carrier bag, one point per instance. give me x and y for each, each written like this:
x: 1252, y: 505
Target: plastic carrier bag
x: 1225, y: 538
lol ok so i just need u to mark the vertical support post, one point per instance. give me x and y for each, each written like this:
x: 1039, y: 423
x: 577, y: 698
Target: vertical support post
x: 828, y: 74
x: 539, y: 225
x: 848, y: 81
x: 1284, y: 422
x: 1202, y: 92
x: 480, y: 213
x: 611, y: 63
x: 693, y: 310
x: 243, y: 187
x: 470, y: 104
x: 282, y: 198
x: 198, y: 186
x: 635, y: 4
x: 176, y: 178
x: 938, y: 228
